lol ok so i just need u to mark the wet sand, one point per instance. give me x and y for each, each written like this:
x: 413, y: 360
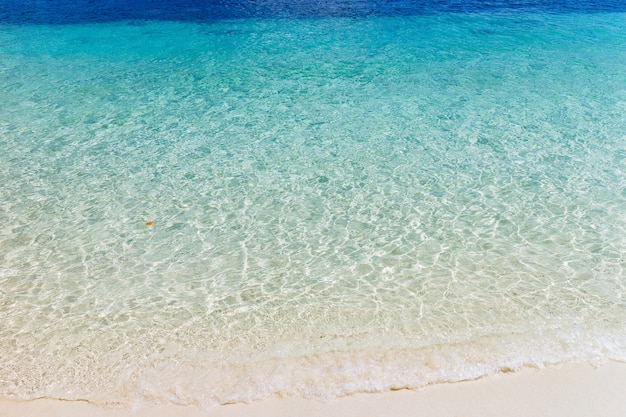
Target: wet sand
x: 569, y: 390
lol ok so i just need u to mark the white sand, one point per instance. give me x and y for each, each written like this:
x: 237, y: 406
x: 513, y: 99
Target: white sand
x: 572, y: 390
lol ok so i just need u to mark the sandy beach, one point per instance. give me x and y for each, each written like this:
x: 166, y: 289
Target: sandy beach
x: 572, y: 390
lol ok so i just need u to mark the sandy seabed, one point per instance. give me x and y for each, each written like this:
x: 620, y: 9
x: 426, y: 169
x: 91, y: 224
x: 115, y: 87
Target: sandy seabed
x: 568, y: 390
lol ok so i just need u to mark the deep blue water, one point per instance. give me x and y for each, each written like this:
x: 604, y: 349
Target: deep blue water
x: 81, y: 11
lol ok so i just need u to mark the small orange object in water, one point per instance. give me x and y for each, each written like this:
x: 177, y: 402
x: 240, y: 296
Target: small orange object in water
x: 149, y: 224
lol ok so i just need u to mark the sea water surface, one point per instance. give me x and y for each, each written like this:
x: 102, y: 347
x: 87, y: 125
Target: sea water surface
x: 214, y: 202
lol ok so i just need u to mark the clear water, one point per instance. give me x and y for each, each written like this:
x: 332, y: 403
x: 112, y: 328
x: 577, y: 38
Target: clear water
x: 340, y: 203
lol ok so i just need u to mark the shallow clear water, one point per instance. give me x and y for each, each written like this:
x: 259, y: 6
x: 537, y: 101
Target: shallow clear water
x: 339, y: 204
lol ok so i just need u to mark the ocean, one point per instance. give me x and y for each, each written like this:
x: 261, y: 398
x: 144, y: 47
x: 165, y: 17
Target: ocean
x: 208, y: 202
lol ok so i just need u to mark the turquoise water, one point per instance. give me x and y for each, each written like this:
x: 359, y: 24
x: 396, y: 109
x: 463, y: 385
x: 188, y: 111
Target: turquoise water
x: 338, y: 205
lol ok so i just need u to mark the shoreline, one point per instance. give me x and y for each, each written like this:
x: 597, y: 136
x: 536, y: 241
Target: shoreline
x: 568, y: 390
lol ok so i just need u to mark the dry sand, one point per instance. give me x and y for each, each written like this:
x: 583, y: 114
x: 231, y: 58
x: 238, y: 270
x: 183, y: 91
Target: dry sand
x: 571, y: 390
